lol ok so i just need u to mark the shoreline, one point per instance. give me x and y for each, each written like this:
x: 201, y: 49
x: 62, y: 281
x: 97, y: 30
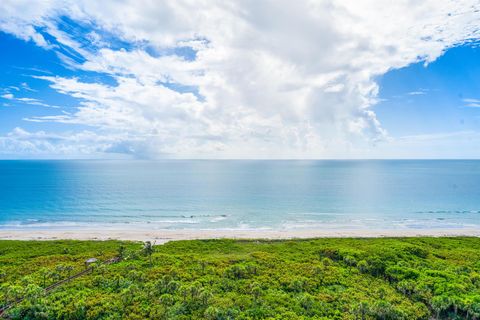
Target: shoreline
x: 163, y: 236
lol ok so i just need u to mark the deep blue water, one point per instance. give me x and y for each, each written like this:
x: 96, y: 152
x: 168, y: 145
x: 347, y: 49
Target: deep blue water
x: 240, y: 194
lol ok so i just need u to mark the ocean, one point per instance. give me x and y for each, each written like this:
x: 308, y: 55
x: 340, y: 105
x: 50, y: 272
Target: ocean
x: 237, y: 194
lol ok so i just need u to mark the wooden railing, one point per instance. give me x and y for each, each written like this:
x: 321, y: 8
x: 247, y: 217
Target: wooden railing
x: 57, y: 284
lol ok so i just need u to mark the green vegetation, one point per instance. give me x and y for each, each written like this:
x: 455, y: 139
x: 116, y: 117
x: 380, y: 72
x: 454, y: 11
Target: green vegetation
x: 404, y: 278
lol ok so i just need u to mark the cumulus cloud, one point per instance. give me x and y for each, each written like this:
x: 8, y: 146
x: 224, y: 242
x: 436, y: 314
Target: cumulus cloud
x: 238, y: 79
x: 43, y: 144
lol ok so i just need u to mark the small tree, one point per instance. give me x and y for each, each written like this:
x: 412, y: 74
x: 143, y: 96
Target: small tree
x: 148, y: 250
x: 440, y: 304
x: 121, y: 251
x: 205, y: 296
x: 361, y: 310
x: 45, y: 274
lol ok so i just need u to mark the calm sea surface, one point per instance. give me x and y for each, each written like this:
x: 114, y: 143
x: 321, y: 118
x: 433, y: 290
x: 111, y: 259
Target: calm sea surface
x: 240, y: 194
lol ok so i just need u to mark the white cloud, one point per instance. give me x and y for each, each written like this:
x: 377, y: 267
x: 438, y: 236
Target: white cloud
x: 472, y: 103
x: 270, y: 78
x: 417, y: 93
x: 30, y: 101
x: 26, y: 87
x: 449, y: 145
x: 20, y: 142
x: 8, y: 96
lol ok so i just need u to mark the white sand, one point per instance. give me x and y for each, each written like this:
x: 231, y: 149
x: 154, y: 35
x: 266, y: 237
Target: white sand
x: 162, y: 236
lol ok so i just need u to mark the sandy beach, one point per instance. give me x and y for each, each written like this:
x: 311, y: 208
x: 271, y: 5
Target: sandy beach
x: 162, y: 236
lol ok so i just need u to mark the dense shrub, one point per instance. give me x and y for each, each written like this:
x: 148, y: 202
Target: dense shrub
x: 412, y: 278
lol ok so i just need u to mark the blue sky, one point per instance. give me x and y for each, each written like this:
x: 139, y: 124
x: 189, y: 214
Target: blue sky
x: 78, y: 83
x: 426, y: 99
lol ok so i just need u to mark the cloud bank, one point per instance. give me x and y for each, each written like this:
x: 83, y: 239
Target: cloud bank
x: 216, y: 79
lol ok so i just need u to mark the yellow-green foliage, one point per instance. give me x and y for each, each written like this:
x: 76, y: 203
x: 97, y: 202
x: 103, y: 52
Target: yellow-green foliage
x: 404, y: 278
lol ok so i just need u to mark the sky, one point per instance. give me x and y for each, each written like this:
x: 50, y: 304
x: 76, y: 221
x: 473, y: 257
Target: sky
x: 242, y: 79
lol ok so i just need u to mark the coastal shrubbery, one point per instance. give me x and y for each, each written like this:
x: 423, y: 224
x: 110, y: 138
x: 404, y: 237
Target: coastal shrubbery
x: 404, y: 278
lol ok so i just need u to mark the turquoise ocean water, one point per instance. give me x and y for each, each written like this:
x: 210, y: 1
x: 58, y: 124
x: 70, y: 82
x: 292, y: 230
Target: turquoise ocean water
x: 182, y: 194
